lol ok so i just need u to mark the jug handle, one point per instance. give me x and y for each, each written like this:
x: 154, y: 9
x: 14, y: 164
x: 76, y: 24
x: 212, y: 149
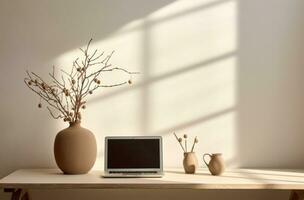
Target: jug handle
x: 206, y: 154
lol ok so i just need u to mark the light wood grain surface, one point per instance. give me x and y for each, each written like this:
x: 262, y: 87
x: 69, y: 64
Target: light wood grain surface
x: 173, y: 179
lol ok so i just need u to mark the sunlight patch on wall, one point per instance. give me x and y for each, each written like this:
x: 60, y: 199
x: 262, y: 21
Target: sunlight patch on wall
x: 187, y: 55
x: 194, y: 51
x: 191, y: 36
x: 200, y: 102
x: 200, y: 92
x: 181, y: 6
x: 216, y: 135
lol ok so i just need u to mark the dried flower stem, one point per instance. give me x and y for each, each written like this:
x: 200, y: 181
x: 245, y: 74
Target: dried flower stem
x: 179, y: 141
x: 194, y: 142
x: 185, y: 136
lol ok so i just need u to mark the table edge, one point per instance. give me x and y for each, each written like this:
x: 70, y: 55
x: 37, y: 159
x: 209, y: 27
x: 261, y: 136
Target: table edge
x: 155, y: 186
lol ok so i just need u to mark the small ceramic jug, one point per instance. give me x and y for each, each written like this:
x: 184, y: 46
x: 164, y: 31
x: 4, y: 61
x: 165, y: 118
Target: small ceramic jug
x: 190, y: 163
x: 216, y: 164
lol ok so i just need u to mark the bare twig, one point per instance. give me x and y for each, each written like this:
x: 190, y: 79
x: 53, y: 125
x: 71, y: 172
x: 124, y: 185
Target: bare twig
x: 53, y: 115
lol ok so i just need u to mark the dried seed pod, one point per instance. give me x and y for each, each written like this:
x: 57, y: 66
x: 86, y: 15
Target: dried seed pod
x: 130, y: 81
x: 95, y: 80
x: 180, y: 139
x: 98, y: 82
x: 83, y: 106
x: 39, y: 105
x: 29, y: 83
x: 185, y: 136
x: 71, y: 114
x: 78, y: 69
x: 90, y: 92
x: 196, y: 140
x: 36, y: 81
x: 73, y: 81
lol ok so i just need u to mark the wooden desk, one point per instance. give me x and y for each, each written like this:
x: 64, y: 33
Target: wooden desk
x: 20, y: 181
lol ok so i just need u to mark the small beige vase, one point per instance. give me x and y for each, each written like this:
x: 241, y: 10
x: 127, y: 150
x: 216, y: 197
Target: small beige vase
x: 190, y: 163
x: 75, y: 149
x: 216, y: 164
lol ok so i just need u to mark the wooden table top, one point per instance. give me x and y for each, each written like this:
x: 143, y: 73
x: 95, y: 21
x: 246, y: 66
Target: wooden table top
x: 173, y: 179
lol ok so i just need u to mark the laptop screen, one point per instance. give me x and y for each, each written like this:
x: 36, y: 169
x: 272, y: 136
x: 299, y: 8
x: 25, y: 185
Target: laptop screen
x: 133, y: 153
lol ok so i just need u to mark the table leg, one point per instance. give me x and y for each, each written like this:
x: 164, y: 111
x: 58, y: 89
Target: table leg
x: 296, y: 195
x: 18, y: 194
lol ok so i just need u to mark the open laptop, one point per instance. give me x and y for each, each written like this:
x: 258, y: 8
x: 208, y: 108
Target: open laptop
x: 136, y: 156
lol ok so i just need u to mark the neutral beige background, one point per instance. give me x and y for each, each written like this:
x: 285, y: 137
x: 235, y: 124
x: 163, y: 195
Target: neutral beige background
x: 228, y: 71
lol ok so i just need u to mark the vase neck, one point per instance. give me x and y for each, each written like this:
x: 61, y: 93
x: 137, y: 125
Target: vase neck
x: 75, y: 124
x: 188, y: 153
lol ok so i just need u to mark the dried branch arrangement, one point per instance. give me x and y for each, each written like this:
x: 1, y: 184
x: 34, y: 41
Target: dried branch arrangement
x: 66, y: 95
x: 183, y: 142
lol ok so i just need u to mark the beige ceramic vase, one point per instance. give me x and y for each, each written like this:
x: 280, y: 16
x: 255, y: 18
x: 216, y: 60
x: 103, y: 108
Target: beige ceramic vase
x: 190, y: 163
x: 216, y: 164
x: 75, y: 149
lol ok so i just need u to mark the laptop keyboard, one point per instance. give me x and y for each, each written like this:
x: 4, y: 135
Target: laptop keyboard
x: 133, y: 172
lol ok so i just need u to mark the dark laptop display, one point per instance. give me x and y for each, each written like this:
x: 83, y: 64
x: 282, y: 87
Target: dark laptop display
x: 133, y: 153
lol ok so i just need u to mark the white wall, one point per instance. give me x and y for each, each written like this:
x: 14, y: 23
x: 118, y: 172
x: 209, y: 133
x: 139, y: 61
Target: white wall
x: 228, y: 71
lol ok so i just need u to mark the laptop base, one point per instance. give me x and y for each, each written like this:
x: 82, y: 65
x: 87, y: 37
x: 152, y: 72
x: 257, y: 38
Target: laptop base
x: 132, y: 175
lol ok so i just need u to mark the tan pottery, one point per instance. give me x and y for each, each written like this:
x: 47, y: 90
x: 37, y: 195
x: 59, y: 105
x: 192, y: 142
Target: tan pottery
x: 75, y: 149
x: 190, y: 163
x: 216, y: 164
